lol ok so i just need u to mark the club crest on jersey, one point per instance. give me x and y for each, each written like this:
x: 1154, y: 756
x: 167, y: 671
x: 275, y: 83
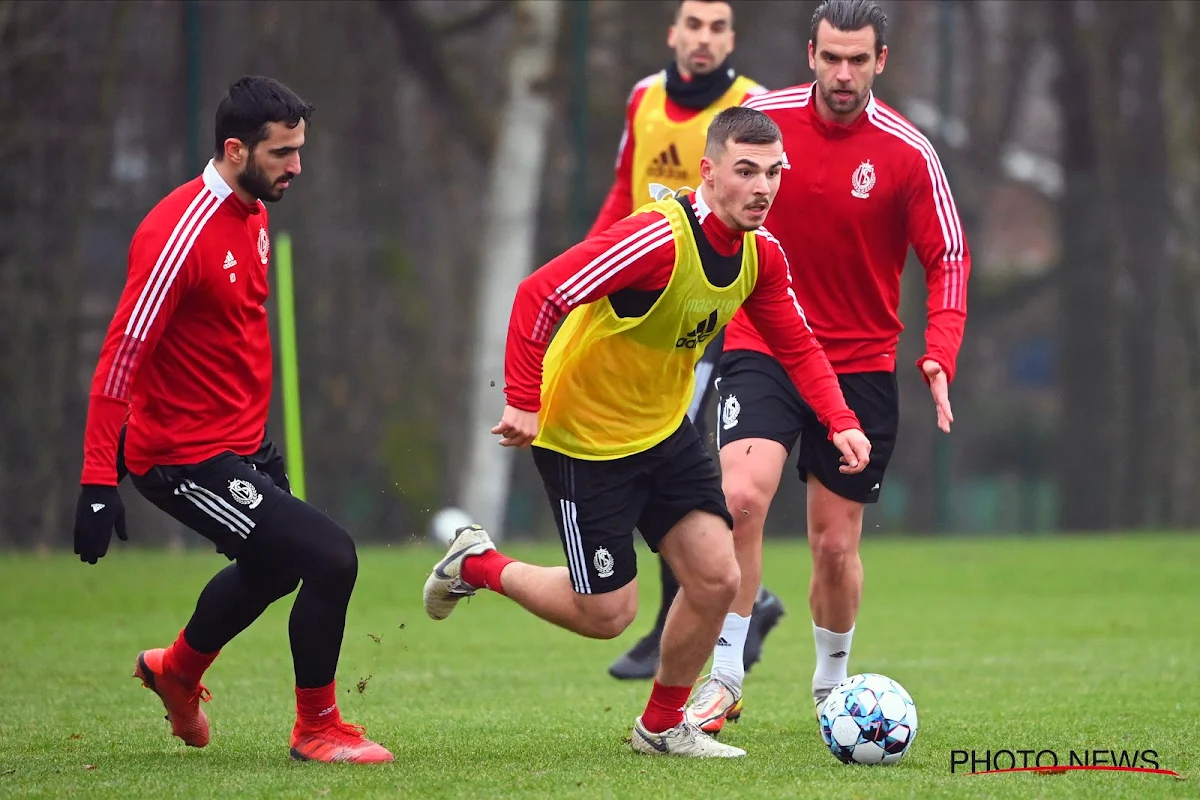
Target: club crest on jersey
x: 264, y: 245
x: 244, y: 492
x: 863, y: 180
x: 603, y: 562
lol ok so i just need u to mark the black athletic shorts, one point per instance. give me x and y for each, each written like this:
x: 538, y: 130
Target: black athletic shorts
x: 598, y: 504
x: 757, y: 400
x: 222, y: 498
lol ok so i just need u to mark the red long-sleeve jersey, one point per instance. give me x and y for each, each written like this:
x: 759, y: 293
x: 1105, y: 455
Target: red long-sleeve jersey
x: 186, y: 362
x: 851, y: 201
x: 619, y: 201
x: 625, y: 257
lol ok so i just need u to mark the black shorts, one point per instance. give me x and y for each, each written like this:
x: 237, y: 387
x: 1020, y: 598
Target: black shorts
x: 222, y: 498
x: 598, y: 504
x: 757, y: 400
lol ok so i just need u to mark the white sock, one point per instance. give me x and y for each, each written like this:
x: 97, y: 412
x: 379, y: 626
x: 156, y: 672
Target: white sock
x: 833, y: 657
x: 728, y: 664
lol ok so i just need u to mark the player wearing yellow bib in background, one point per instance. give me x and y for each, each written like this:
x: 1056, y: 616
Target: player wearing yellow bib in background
x: 666, y: 119
x: 604, y: 406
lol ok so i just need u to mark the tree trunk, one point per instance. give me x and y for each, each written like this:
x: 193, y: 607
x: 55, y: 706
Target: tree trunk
x: 509, y: 235
x: 1181, y: 70
x: 1142, y: 211
x: 1086, y: 319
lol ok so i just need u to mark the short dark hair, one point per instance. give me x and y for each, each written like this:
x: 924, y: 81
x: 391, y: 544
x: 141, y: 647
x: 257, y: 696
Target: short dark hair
x: 251, y: 103
x: 679, y: 7
x: 852, y: 15
x: 740, y: 125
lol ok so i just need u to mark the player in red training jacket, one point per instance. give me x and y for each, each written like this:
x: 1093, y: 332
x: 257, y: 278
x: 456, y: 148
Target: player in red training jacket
x: 862, y: 185
x: 179, y: 403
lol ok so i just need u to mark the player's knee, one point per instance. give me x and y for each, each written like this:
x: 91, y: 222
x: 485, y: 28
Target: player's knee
x: 344, y: 560
x: 832, y: 544
x: 335, y: 563
x: 747, y: 503
x: 717, y: 584
x: 610, y: 618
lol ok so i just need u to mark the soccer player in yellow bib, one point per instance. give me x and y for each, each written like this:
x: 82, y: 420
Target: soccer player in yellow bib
x: 604, y: 406
x: 666, y: 118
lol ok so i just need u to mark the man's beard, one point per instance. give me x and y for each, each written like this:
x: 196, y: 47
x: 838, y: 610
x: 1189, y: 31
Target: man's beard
x: 839, y: 106
x: 257, y: 185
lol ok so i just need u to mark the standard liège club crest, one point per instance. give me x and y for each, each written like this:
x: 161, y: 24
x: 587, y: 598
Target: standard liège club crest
x: 244, y: 492
x: 264, y: 245
x: 863, y: 180
x: 603, y: 562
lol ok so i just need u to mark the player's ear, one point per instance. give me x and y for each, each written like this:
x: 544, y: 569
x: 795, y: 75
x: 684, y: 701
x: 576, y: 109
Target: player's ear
x: 235, y: 150
x: 883, y: 51
x: 706, y: 169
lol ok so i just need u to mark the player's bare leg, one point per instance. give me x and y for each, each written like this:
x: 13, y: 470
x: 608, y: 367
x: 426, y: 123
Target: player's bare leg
x: 700, y: 552
x: 472, y: 563
x: 834, y: 532
x: 750, y: 470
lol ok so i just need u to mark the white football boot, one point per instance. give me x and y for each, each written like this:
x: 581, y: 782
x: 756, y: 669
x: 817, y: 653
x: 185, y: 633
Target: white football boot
x: 685, y: 740
x: 445, y: 587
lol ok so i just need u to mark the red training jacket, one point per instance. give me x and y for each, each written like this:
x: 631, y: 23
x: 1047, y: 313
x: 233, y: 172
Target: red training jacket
x: 186, y: 363
x: 851, y: 201
x: 621, y: 258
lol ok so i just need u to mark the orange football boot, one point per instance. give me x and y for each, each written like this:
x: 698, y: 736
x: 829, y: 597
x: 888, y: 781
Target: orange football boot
x: 181, y: 701
x: 337, y: 741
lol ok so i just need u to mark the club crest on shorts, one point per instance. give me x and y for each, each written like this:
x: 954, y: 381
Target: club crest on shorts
x: 603, y: 562
x: 863, y: 180
x: 729, y: 412
x: 244, y: 492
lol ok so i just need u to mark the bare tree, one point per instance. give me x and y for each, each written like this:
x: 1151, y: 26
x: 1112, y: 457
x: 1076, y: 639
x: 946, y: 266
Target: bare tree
x: 1181, y: 75
x: 509, y: 235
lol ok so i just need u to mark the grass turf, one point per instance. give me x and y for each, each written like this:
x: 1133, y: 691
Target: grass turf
x: 1067, y: 643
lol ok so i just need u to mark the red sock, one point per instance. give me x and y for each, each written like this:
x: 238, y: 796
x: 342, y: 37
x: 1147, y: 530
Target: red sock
x: 316, y: 708
x: 484, y: 570
x: 183, y: 660
x: 665, y: 709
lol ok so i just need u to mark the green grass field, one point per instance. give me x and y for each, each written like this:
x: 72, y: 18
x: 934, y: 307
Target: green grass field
x: 1071, y: 643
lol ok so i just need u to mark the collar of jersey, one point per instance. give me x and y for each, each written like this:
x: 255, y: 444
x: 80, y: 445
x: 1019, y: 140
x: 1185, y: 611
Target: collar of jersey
x: 217, y: 185
x: 833, y: 130
x: 725, y: 240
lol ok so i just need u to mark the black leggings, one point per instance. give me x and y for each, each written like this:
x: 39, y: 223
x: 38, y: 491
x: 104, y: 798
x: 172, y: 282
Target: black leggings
x: 296, y: 545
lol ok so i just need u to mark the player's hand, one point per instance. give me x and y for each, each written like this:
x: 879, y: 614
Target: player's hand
x: 939, y: 387
x: 97, y: 513
x: 856, y: 450
x: 517, y: 428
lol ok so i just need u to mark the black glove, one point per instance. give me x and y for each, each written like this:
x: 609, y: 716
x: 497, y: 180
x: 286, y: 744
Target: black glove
x: 98, y: 511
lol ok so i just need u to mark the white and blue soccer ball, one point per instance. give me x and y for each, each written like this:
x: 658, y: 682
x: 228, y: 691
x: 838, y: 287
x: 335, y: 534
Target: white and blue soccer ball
x: 868, y: 719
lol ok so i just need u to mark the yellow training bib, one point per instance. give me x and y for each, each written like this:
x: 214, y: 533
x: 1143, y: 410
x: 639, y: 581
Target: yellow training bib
x: 615, y: 386
x: 669, y: 152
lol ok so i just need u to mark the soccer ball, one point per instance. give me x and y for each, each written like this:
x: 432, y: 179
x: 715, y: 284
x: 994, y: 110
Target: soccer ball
x: 446, y: 522
x: 868, y: 719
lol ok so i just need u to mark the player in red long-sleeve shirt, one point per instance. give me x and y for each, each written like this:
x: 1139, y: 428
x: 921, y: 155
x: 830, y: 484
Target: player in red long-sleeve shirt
x: 862, y: 186
x: 604, y: 405
x: 179, y: 403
